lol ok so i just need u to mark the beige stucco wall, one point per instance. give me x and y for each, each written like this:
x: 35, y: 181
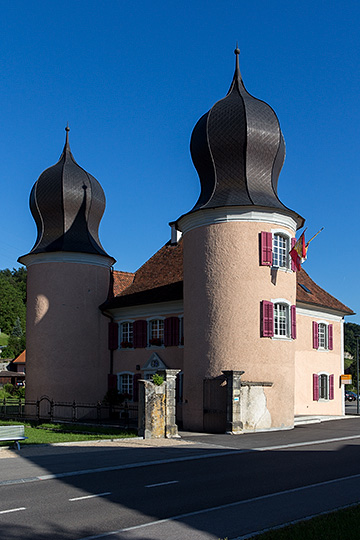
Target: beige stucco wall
x: 224, y: 285
x: 67, y: 357
x: 309, y: 361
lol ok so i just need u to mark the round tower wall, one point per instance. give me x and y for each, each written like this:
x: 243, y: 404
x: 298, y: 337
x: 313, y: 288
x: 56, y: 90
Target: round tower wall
x: 67, y: 353
x: 224, y: 285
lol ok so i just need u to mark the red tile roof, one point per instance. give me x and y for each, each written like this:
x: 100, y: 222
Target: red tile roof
x: 122, y: 280
x: 21, y: 359
x: 317, y: 296
x: 160, y: 280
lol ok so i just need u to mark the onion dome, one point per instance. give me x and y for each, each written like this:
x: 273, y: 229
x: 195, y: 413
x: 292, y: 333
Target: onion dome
x: 67, y: 204
x: 238, y: 151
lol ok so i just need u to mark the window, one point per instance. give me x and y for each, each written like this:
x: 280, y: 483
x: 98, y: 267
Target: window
x: 125, y: 384
x: 281, y: 320
x: 156, y: 332
x: 280, y: 251
x: 275, y: 248
x: 278, y: 319
x: 126, y: 335
x: 323, y: 386
x: 322, y: 336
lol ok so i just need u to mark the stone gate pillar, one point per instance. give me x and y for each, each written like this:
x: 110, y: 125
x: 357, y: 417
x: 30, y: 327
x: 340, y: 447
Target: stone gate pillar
x: 234, y: 424
x: 151, y: 410
x: 171, y: 429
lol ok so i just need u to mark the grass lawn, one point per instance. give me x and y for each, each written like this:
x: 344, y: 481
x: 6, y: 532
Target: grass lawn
x: 56, y: 433
x: 4, y: 338
x: 334, y: 526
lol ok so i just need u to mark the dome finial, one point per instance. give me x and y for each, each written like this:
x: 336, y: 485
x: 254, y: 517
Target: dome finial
x: 237, y: 67
x: 67, y: 129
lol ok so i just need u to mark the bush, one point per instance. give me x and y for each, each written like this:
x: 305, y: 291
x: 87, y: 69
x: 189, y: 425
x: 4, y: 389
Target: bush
x: 157, y: 379
x: 9, y: 388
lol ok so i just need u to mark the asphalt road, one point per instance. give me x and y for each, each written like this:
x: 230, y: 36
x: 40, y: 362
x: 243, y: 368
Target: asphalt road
x: 218, y: 486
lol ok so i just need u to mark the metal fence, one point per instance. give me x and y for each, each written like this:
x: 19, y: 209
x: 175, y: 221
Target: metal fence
x: 46, y: 409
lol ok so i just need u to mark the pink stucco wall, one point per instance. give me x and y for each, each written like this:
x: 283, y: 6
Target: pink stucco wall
x: 67, y: 357
x: 224, y: 285
x: 309, y: 361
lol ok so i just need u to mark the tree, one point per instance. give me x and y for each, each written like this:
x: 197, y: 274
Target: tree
x: 13, y: 310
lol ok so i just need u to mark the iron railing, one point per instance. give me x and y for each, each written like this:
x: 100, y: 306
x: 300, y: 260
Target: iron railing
x: 46, y: 409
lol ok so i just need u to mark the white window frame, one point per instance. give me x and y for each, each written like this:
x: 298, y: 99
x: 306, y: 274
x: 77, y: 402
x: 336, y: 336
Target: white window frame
x: 149, y: 331
x: 327, y: 389
x: 122, y: 334
x: 286, y: 304
x: 326, y: 335
x: 286, y: 236
x: 120, y: 383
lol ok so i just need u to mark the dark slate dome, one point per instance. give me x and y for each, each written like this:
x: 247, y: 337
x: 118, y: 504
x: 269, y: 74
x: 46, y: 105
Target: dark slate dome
x: 238, y: 151
x: 67, y: 204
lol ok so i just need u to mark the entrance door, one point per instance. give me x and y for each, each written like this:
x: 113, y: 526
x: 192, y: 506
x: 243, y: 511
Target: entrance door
x: 215, y: 393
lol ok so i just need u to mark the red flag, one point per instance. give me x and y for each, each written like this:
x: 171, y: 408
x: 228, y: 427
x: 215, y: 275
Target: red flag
x: 298, y: 252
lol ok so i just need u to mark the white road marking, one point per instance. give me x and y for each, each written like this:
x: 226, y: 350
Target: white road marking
x: 230, y: 452
x: 12, y: 510
x: 90, y: 496
x: 221, y: 507
x: 163, y: 484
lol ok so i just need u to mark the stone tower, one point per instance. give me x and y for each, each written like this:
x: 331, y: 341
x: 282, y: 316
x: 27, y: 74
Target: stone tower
x: 239, y: 286
x: 68, y: 278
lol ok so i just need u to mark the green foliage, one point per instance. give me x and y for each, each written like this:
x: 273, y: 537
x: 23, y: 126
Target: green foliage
x: 4, y: 338
x: 13, y: 391
x: 157, y: 379
x: 9, y: 388
x: 13, y: 310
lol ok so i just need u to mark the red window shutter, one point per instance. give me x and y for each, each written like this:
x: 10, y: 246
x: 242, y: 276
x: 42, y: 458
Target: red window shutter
x: 267, y: 319
x: 293, y: 265
x: 315, y: 327
x: 331, y: 387
x: 293, y: 322
x: 330, y: 337
x: 136, y: 378
x: 112, y: 382
x: 171, y: 332
x: 140, y: 334
x: 113, y: 336
x: 265, y: 248
x: 315, y: 387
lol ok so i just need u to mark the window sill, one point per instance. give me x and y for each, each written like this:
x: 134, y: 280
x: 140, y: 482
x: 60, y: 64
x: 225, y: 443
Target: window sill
x: 282, y: 338
x: 282, y: 269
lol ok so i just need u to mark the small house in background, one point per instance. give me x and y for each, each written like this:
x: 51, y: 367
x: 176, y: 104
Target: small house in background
x: 255, y: 339
x: 13, y: 371
x: 19, y: 363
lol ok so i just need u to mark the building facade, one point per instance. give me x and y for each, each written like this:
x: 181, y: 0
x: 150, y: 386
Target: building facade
x: 221, y: 301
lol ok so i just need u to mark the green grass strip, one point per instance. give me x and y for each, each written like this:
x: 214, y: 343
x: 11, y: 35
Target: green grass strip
x: 331, y: 526
x: 57, y: 433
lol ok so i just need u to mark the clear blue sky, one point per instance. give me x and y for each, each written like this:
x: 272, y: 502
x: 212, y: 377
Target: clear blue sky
x: 132, y: 79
